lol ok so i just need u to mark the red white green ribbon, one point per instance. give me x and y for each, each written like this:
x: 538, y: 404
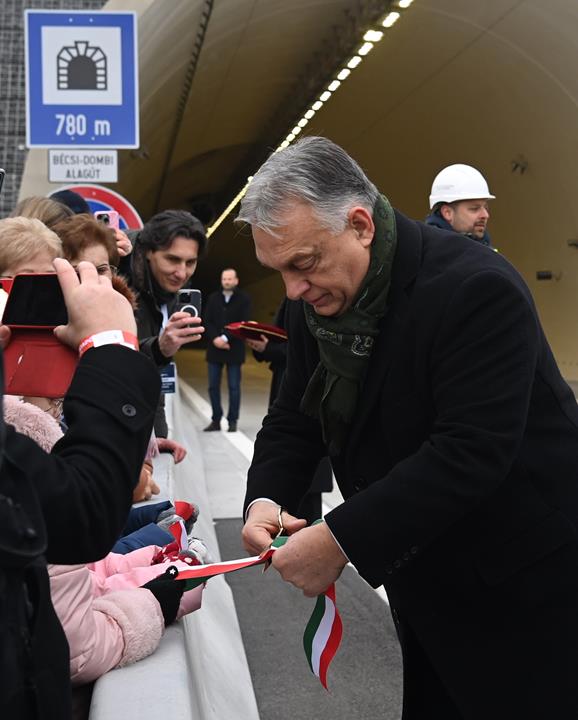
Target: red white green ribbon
x: 199, y: 574
x: 324, y: 629
x: 323, y: 634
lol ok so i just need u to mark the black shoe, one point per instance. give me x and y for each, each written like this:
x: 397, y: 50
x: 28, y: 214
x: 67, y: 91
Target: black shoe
x: 213, y: 426
x: 232, y: 427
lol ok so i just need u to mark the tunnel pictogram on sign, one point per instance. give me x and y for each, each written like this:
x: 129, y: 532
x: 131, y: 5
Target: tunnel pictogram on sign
x: 81, y: 66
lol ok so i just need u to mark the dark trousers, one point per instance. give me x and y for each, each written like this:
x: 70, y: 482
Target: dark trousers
x: 234, y: 385
x: 141, y: 529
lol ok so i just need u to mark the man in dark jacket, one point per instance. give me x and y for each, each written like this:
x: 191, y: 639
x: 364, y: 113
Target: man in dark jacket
x: 223, y: 307
x: 165, y: 256
x: 69, y: 506
x: 417, y: 361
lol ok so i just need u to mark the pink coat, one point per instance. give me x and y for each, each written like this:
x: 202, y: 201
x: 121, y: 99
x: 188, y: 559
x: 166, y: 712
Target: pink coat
x: 125, y: 572
x: 108, y: 619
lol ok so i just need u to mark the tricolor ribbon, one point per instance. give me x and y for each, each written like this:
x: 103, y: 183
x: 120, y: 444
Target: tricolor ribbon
x: 323, y: 634
x: 324, y: 629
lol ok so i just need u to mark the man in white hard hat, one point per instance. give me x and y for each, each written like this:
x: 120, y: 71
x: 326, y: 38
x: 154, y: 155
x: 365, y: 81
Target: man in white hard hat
x: 459, y: 201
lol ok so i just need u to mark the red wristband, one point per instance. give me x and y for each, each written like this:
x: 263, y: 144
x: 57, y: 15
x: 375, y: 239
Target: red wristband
x: 108, y: 337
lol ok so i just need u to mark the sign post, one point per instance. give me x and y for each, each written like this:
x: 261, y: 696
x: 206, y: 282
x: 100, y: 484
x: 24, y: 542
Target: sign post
x: 81, y: 79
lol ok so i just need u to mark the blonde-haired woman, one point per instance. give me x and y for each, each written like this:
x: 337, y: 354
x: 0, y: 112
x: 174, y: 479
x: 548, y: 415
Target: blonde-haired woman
x: 27, y: 246
x: 47, y: 210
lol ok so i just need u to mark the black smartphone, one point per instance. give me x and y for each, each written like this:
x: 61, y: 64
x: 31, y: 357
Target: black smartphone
x: 189, y: 301
x: 35, y: 301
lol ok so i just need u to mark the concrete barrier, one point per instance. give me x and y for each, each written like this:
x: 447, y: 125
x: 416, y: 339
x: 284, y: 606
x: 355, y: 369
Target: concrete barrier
x: 199, y: 671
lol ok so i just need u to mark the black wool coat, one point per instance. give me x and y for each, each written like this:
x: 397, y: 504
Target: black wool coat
x: 67, y: 507
x: 218, y: 313
x: 460, y: 477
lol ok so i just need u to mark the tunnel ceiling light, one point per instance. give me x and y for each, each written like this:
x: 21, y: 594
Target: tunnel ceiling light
x: 390, y: 19
x: 365, y: 48
x: 373, y: 36
x: 229, y: 209
x: 370, y: 37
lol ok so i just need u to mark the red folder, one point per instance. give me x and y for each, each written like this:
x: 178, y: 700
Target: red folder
x: 252, y: 330
x: 35, y: 362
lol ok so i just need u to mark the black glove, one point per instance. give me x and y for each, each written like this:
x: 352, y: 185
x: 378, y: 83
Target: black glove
x: 168, y: 592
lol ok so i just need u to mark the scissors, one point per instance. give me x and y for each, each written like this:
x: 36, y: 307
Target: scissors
x: 279, y: 533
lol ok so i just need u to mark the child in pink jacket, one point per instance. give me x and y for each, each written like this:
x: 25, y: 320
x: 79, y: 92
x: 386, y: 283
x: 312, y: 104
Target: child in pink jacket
x: 110, y: 620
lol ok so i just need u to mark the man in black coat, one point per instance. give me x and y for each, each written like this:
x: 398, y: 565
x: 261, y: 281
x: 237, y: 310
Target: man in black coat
x: 417, y: 360
x: 225, y: 306
x: 70, y: 506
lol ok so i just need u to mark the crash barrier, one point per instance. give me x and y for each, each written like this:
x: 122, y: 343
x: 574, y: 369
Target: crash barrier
x: 199, y: 671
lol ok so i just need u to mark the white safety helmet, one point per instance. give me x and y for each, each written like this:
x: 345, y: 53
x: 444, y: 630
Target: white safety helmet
x: 459, y: 182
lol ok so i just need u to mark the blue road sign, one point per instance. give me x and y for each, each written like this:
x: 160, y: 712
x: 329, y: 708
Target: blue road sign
x: 81, y: 79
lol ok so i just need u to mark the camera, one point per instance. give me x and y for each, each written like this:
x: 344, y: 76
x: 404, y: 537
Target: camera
x: 108, y: 218
x: 189, y: 301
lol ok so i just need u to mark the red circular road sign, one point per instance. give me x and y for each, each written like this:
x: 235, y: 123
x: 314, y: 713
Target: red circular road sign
x: 99, y: 198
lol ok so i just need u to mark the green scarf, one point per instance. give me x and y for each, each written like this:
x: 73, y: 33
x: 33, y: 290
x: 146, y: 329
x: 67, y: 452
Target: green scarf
x: 345, y: 342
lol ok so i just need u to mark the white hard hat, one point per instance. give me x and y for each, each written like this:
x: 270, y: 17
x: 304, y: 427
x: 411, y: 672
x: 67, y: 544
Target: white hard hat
x: 459, y: 182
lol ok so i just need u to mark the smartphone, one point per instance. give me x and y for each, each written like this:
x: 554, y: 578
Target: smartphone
x: 189, y: 301
x: 35, y: 301
x: 2, y: 176
x: 108, y: 217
